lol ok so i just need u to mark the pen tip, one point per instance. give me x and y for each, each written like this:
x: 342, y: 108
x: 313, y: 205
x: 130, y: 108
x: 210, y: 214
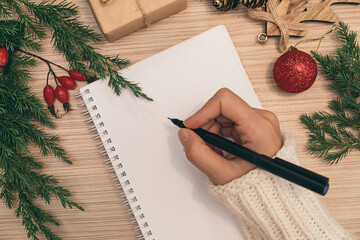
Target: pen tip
x: 177, y: 122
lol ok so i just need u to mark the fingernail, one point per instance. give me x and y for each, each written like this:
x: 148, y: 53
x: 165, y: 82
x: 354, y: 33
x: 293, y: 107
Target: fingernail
x: 183, y: 136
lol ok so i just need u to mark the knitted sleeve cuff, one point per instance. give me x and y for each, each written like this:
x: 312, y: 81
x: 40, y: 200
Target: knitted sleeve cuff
x: 269, y: 207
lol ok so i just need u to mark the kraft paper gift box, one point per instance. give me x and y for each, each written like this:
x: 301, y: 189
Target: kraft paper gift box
x: 117, y: 18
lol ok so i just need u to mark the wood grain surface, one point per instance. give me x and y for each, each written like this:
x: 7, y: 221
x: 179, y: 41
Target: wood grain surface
x: 90, y: 180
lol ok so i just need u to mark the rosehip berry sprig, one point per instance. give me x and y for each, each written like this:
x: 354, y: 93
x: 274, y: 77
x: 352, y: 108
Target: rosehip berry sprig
x: 63, y: 84
x: 49, y: 96
x: 60, y: 92
x: 4, y: 56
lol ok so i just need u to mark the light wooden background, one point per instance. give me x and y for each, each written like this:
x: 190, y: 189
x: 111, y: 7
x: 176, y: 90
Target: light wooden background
x: 89, y: 179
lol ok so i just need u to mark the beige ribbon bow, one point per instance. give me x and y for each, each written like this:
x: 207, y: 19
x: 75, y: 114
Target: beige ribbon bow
x: 279, y: 20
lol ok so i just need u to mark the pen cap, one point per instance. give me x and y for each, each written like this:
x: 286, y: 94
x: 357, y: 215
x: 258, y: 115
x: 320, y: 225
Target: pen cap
x: 310, y: 174
x: 301, y: 176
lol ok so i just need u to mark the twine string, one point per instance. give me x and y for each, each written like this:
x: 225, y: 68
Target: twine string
x: 273, y: 16
x: 142, y: 10
x: 272, y: 4
x: 333, y: 28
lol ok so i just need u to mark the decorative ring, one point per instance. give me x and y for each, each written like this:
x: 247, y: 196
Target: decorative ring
x: 262, y: 38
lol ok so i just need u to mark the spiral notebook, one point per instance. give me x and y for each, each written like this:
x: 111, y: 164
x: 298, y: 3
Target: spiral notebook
x: 168, y: 196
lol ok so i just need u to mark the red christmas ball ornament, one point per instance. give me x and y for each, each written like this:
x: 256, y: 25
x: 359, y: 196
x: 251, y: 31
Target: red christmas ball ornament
x: 295, y: 71
x: 4, y: 56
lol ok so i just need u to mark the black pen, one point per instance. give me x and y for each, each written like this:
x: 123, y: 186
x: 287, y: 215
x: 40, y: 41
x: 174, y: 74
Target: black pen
x: 277, y: 166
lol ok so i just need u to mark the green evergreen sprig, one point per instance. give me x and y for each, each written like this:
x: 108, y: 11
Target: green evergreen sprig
x: 69, y: 36
x: 23, y: 26
x: 21, y: 180
x: 334, y: 134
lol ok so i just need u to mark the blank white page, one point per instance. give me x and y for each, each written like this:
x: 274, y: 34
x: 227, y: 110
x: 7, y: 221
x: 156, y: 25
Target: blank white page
x: 172, y: 193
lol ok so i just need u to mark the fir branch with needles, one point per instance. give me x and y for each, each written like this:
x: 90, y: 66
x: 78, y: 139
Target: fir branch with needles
x: 334, y: 134
x: 24, y: 119
x: 69, y: 37
x: 22, y: 116
x: 72, y: 39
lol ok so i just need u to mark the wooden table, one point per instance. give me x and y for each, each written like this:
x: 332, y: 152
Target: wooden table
x: 90, y: 180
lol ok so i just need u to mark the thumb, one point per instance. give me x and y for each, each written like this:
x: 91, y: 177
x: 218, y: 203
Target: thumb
x: 184, y: 135
x: 203, y: 157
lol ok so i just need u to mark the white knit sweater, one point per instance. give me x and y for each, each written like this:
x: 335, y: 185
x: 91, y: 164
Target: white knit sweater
x: 269, y: 207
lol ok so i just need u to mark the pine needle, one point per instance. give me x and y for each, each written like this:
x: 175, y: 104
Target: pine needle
x: 23, y: 25
x: 334, y: 134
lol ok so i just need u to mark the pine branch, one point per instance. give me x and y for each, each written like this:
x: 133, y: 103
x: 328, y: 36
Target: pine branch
x: 333, y: 135
x: 34, y: 219
x: 12, y: 35
x: 33, y: 29
x: 72, y: 39
x: 14, y: 87
x: 23, y: 25
x: 23, y: 179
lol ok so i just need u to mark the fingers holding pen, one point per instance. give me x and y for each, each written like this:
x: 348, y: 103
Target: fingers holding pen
x: 202, y: 156
x: 228, y: 115
x: 219, y: 170
x: 221, y: 107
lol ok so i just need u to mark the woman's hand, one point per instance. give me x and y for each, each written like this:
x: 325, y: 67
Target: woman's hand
x: 228, y: 115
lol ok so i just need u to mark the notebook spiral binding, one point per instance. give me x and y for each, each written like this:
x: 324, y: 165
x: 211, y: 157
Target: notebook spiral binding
x: 100, y: 132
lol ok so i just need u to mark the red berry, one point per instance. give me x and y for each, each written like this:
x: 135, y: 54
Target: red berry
x: 49, y: 95
x: 67, y: 82
x: 61, y: 93
x: 295, y: 71
x: 4, y: 56
x: 76, y: 75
